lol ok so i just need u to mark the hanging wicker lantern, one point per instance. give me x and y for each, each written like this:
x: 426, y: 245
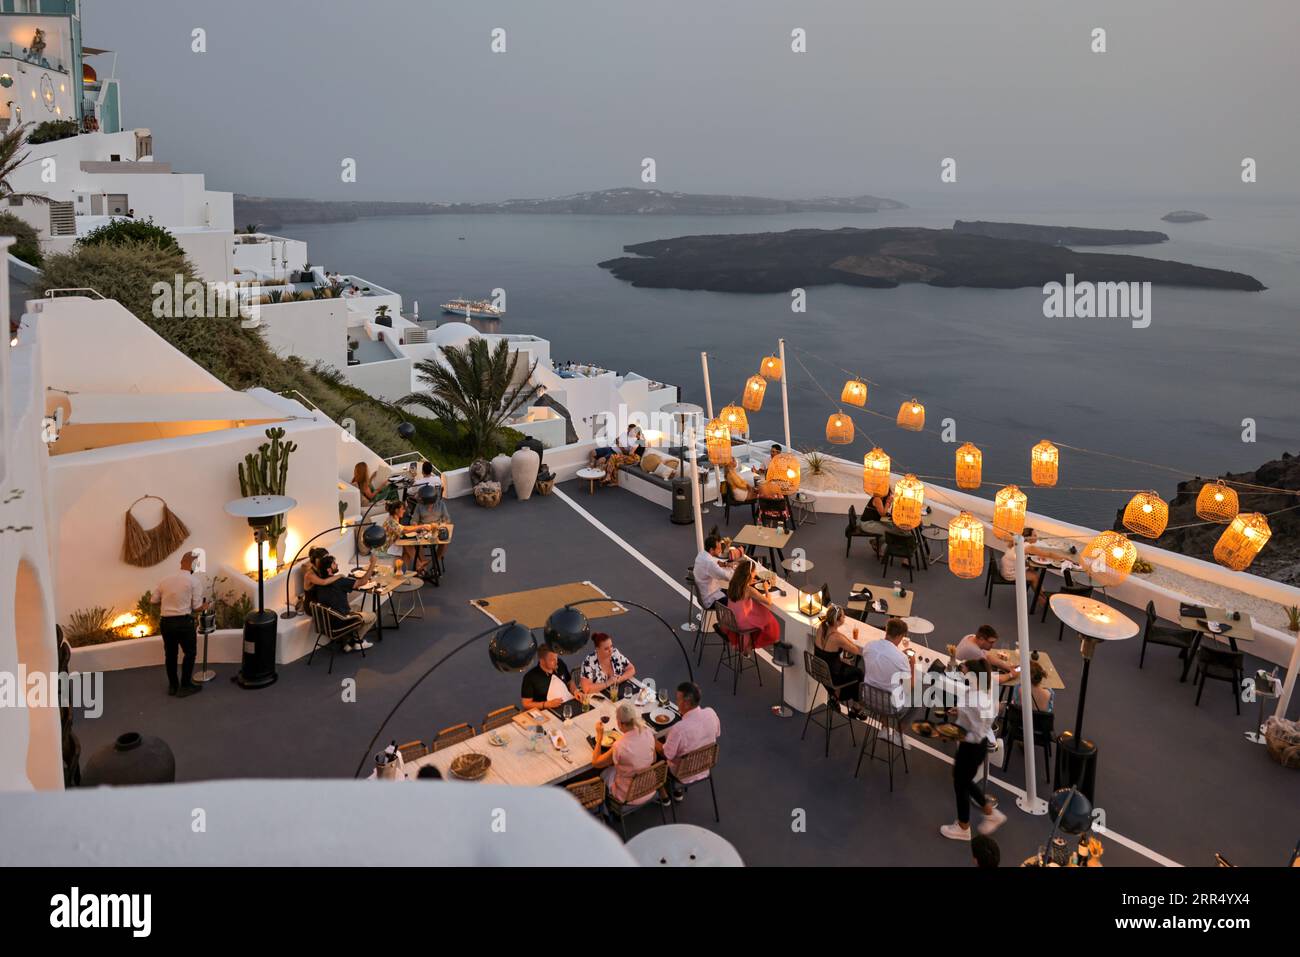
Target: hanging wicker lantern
x: 770, y: 367
x: 855, y: 393
x: 1242, y: 540
x: 1009, y: 507
x: 839, y: 429
x: 966, y: 546
x: 754, y: 390
x: 875, y: 473
x: 1043, y: 462
x: 970, y: 465
x: 1146, y: 515
x: 909, y: 499
x: 1217, y: 502
x: 735, y: 419
x: 717, y: 441
x: 1109, y: 558
x: 911, y: 416
x: 784, y: 471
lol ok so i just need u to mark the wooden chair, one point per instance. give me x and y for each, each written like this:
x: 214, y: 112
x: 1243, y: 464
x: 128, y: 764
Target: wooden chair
x: 412, y: 750
x: 453, y: 735
x: 882, y: 715
x: 737, y: 647
x: 645, y: 782
x: 827, y: 712
x: 1157, y: 634
x: 700, y: 761
x: 333, y: 629
x: 590, y: 793
x: 1219, y: 664
x: 500, y: 716
x: 904, y: 546
x: 1013, y: 730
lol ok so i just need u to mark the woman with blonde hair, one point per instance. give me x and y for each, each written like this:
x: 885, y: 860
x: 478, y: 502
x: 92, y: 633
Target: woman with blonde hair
x: 633, y: 751
x: 841, y: 654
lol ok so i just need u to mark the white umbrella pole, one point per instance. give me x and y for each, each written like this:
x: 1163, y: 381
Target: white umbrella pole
x: 1288, y: 683
x: 1030, y: 803
x: 785, y: 396
x: 695, y: 490
x: 708, y: 392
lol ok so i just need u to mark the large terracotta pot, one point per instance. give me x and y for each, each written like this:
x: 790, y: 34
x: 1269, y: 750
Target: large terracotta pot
x: 523, y: 471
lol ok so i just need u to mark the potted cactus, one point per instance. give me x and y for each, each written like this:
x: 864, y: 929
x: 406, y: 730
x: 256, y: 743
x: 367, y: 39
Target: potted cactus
x: 266, y: 473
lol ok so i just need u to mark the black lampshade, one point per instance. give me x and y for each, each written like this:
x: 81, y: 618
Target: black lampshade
x: 428, y: 494
x: 567, y: 630
x: 1074, y: 819
x: 406, y: 430
x: 512, y: 648
x: 374, y: 536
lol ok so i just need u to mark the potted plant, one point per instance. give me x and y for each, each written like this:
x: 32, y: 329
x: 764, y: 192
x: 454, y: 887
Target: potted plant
x: 817, y: 463
x: 266, y: 473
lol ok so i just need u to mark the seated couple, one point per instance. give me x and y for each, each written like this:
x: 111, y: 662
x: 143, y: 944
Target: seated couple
x: 854, y: 662
x: 428, y: 518
x: 325, y: 585
x: 626, y: 450
x: 730, y: 581
x: 550, y: 683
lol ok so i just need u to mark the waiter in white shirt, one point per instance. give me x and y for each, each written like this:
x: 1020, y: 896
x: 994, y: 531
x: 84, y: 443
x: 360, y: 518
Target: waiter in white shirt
x: 180, y: 596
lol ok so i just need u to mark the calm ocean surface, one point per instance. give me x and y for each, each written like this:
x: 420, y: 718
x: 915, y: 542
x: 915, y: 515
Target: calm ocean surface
x: 1174, y: 393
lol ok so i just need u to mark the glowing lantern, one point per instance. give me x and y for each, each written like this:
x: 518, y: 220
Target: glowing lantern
x: 1217, y: 503
x: 735, y: 419
x: 1242, y: 540
x: 1043, y: 462
x: 771, y: 367
x: 1009, y: 507
x: 966, y: 546
x: 784, y: 471
x: 1109, y: 558
x: 754, y: 389
x: 970, y: 464
x: 855, y: 393
x: 875, y: 472
x: 839, y: 429
x: 1146, y: 514
x: 810, y: 603
x: 717, y: 441
x: 909, y: 499
x: 911, y: 416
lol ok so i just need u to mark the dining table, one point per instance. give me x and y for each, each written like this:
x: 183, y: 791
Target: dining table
x: 380, y: 588
x: 753, y: 537
x: 894, y: 606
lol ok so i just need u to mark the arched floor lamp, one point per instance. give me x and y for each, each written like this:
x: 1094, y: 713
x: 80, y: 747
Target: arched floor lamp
x: 567, y: 623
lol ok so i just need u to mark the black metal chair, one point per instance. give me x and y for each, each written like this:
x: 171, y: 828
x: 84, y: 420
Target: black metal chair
x: 902, y: 546
x: 737, y: 647
x: 772, y: 512
x: 333, y: 629
x: 826, y: 713
x: 1068, y: 587
x: 730, y: 501
x: 1154, y: 633
x: 705, y: 627
x: 855, y: 530
x: 1219, y: 664
x: 1083, y: 591
x: 1013, y: 730
x: 882, y: 715
x: 994, y: 576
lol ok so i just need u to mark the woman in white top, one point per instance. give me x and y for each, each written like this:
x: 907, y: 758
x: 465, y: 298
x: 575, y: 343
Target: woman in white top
x: 975, y: 718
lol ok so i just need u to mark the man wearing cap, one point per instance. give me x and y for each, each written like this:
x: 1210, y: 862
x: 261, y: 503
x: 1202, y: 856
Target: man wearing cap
x: 180, y: 595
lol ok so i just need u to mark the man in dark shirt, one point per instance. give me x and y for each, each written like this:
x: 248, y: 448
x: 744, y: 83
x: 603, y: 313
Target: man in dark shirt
x: 536, y: 690
x: 333, y: 593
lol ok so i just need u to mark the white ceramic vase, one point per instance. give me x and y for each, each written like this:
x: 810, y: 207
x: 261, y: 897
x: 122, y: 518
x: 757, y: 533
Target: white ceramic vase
x: 524, y: 465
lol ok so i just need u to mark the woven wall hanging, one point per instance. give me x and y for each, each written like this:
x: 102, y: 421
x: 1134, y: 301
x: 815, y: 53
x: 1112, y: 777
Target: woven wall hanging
x: 145, y: 547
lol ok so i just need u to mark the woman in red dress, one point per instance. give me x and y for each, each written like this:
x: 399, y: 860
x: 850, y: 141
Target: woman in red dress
x: 749, y: 605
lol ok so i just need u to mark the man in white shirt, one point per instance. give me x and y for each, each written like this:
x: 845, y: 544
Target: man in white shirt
x: 1007, y: 563
x: 886, y: 667
x: 712, y: 575
x: 179, y: 596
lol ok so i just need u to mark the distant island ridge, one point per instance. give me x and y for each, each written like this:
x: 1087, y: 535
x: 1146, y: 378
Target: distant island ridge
x: 271, y: 213
x: 1061, y: 235
x: 886, y: 257
x: 1184, y: 216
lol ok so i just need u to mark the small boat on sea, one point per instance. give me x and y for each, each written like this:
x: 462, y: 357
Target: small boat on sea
x: 473, y: 309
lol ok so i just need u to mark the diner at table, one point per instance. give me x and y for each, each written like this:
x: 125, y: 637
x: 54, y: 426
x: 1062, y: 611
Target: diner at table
x: 697, y: 728
x: 395, y: 530
x: 548, y: 684
x: 334, y: 591
x: 712, y: 570
x: 632, y: 750
x: 750, y: 605
x: 832, y: 643
x: 605, y: 667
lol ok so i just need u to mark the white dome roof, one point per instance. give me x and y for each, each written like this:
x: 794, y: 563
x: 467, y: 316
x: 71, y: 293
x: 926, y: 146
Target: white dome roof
x: 453, y: 334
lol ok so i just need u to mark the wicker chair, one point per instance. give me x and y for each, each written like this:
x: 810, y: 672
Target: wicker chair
x: 737, y: 647
x: 331, y: 630
x: 412, y: 750
x: 646, y: 781
x: 827, y: 712
x: 882, y: 715
x: 590, y: 793
x: 500, y: 716
x: 700, y: 761
x: 453, y: 735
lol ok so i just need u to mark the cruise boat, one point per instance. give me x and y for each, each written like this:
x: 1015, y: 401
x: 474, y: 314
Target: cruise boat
x: 473, y: 309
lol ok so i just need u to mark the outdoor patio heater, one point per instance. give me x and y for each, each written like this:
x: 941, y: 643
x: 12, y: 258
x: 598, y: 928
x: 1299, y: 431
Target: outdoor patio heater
x: 257, y: 667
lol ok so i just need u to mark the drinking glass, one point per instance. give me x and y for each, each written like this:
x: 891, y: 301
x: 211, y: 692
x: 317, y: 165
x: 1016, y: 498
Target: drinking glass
x: 613, y: 692
x: 663, y: 697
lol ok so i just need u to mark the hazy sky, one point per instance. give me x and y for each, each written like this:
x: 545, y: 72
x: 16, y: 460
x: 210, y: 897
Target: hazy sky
x: 711, y: 90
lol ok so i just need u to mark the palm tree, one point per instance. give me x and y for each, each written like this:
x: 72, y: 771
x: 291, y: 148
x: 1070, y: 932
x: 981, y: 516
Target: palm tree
x: 10, y: 161
x: 474, y: 388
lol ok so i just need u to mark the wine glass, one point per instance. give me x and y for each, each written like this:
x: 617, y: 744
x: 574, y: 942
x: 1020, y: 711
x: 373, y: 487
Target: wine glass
x: 663, y: 697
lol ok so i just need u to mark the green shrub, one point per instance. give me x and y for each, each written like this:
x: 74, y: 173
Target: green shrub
x: 52, y: 130
x: 125, y: 231
x: 27, y: 243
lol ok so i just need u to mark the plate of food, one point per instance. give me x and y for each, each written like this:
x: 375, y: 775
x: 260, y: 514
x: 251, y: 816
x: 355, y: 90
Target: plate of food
x: 496, y: 740
x: 662, y: 717
x: 949, y: 731
x: 471, y: 766
x: 924, y: 728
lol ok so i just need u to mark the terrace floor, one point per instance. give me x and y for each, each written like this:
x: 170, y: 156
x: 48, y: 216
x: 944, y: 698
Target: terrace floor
x: 1177, y: 783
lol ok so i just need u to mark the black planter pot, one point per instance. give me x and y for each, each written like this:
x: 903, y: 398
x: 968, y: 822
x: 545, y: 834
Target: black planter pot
x: 133, y: 758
